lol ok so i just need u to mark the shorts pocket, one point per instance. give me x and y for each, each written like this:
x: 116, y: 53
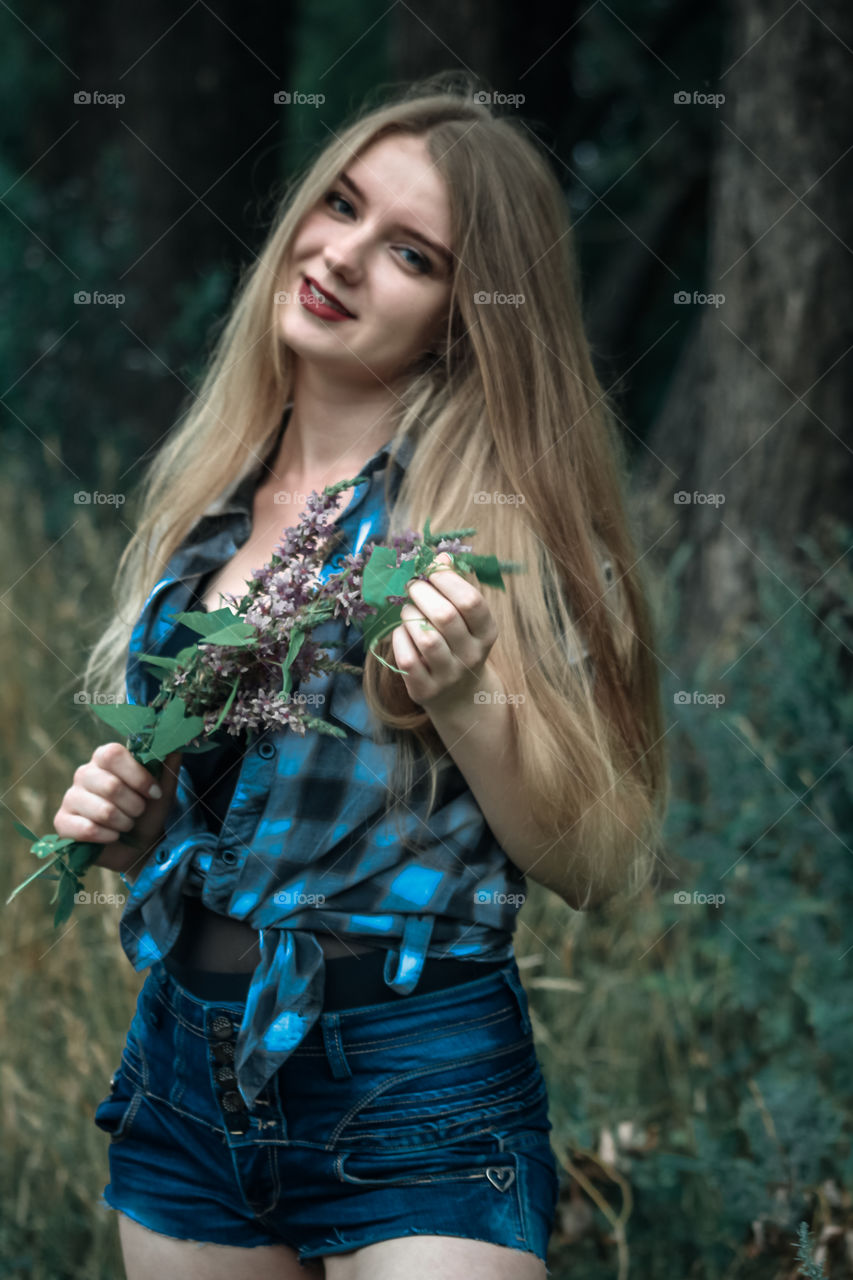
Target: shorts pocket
x: 444, y: 1102
x: 419, y: 1168
x: 115, y: 1113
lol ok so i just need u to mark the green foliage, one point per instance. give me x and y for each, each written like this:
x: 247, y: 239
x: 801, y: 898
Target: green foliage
x: 811, y: 1270
x: 721, y: 1027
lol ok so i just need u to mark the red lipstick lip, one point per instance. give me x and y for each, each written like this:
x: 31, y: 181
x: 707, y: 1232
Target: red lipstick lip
x: 331, y: 297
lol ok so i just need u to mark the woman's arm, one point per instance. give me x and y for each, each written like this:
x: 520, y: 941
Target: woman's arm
x: 482, y: 739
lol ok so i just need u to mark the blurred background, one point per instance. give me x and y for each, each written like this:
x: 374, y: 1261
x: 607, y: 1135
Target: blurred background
x: 695, y: 1039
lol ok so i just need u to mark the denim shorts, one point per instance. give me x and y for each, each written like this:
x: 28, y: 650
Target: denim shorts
x: 428, y: 1116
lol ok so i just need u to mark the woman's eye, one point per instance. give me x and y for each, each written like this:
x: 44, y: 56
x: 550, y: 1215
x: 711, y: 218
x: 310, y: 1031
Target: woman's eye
x: 333, y: 195
x: 423, y: 264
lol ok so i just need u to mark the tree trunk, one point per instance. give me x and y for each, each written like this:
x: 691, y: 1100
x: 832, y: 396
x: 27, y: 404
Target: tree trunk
x: 175, y: 175
x: 758, y: 410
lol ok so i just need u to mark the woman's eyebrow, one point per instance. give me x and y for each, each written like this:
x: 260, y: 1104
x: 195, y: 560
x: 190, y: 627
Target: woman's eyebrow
x: 443, y: 253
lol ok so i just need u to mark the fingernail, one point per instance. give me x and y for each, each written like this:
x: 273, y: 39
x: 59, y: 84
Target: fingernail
x: 155, y: 792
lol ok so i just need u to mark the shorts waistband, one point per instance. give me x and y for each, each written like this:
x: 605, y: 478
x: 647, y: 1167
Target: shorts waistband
x: 493, y: 1005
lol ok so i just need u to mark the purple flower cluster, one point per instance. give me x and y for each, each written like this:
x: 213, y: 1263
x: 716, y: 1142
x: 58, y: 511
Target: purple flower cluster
x: 285, y: 597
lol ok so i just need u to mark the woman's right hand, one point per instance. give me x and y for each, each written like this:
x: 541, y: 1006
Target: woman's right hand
x: 111, y: 795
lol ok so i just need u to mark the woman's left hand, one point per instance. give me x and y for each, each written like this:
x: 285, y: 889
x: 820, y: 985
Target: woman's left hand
x: 444, y: 639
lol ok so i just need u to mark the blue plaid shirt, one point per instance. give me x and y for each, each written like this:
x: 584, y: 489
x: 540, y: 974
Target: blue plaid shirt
x: 305, y: 846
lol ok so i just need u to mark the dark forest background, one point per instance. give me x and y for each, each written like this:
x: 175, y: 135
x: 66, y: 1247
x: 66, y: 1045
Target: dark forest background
x: 697, y: 1050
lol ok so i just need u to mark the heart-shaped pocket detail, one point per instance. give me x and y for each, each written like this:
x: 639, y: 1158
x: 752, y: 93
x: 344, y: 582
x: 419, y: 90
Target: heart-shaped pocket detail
x: 501, y: 1178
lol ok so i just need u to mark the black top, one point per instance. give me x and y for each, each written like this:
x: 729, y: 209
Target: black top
x: 213, y: 773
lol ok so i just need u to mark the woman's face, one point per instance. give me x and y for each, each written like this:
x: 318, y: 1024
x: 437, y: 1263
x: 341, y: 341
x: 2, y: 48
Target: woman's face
x: 359, y: 244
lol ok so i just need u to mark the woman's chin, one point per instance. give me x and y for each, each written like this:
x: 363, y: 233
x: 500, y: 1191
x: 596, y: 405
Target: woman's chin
x: 316, y: 346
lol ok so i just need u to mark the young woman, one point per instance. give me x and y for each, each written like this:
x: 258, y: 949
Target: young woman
x: 331, y: 1068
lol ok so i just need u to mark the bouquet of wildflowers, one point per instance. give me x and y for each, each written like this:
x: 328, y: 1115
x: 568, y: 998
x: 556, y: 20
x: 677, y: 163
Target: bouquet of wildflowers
x: 241, y: 671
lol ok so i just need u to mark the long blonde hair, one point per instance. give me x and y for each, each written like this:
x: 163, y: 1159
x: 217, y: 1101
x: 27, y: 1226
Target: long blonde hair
x: 510, y: 407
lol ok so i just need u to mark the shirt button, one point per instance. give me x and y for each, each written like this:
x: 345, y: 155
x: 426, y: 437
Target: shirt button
x: 161, y: 855
x: 266, y: 750
x: 229, y: 856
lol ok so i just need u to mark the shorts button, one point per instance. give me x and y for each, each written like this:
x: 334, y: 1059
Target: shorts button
x: 224, y: 1052
x: 232, y: 1101
x: 224, y: 1075
x: 222, y: 1027
x: 266, y: 750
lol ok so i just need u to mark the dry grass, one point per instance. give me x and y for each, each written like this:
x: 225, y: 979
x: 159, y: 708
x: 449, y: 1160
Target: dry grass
x: 68, y: 995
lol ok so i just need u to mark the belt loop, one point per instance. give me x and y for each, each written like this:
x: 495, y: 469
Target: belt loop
x: 510, y: 972
x: 331, y: 1027
x: 417, y: 932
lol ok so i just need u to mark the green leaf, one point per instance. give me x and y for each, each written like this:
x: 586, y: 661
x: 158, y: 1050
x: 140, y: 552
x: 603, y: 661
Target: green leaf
x: 24, y: 831
x: 82, y: 855
x: 174, y: 729
x: 487, y: 568
x: 379, y: 624
x: 125, y: 717
x: 378, y: 571
x: 206, y: 623
x: 51, y: 843
x: 297, y: 638
x: 64, y: 897
x: 227, y: 706
x: 236, y: 635
x: 152, y: 660
x: 43, y: 870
